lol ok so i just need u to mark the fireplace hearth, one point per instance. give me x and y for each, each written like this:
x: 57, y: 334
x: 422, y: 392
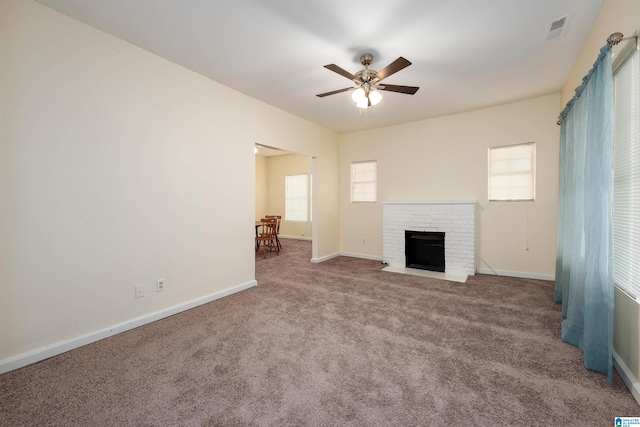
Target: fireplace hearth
x: 424, y: 250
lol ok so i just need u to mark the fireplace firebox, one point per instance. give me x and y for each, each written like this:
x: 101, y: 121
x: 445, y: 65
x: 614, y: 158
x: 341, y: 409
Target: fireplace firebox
x: 424, y: 250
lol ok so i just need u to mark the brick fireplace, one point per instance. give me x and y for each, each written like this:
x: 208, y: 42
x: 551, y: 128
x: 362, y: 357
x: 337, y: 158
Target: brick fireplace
x: 456, y: 219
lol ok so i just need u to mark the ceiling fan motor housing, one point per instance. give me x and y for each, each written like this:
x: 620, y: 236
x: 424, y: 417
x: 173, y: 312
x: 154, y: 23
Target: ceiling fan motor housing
x: 366, y: 75
x: 366, y: 59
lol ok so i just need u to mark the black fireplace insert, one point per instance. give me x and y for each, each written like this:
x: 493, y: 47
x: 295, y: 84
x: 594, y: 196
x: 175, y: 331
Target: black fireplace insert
x: 424, y: 250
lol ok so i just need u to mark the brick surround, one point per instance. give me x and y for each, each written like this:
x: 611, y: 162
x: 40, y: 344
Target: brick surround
x: 455, y: 218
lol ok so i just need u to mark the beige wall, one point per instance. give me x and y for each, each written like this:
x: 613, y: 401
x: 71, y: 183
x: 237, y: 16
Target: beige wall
x: 262, y: 191
x: 278, y: 168
x: 626, y: 340
x: 615, y: 16
x: 446, y: 159
x: 118, y: 168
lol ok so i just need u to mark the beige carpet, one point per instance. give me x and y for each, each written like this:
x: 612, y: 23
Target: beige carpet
x: 334, y: 344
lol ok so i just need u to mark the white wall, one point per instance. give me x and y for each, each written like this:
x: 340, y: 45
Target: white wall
x: 117, y: 168
x: 446, y: 159
x: 262, y: 189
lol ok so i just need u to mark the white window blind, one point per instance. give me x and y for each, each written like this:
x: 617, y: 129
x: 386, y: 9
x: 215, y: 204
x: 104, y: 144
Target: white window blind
x: 512, y: 172
x: 296, y: 197
x: 364, y: 185
x: 626, y: 195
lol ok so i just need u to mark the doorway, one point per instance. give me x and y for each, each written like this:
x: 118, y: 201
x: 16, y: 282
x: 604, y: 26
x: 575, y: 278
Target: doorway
x: 284, y: 183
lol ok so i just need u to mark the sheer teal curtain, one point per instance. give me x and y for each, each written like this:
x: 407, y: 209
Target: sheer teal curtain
x: 584, y: 264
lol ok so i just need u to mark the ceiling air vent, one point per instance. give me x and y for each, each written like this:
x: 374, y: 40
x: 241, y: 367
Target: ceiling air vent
x: 556, y: 28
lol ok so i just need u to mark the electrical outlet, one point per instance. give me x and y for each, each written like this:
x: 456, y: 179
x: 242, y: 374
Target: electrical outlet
x: 364, y: 241
x: 160, y: 285
x: 139, y: 291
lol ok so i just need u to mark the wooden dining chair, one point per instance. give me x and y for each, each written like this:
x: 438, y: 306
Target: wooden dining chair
x: 267, y: 237
x: 279, y: 218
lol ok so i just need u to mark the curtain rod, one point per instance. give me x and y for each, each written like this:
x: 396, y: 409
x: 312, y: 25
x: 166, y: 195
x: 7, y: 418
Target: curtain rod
x: 616, y: 38
x: 612, y: 40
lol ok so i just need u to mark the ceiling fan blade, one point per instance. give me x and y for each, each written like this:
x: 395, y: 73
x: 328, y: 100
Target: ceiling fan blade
x: 342, y: 72
x: 335, y: 91
x: 392, y: 68
x: 409, y: 90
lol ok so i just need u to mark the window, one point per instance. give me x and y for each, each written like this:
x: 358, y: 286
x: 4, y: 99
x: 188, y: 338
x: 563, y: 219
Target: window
x: 626, y: 181
x: 296, y: 197
x: 364, y: 186
x: 512, y: 175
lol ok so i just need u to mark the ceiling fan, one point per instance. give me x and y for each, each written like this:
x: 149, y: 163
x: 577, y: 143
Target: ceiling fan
x: 366, y: 91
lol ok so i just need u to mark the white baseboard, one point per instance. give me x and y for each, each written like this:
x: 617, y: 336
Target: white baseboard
x: 324, y: 258
x: 516, y: 274
x: 628, y: 378
x: 282, y: 236
x: 42, y: 353
x: 362, y: 256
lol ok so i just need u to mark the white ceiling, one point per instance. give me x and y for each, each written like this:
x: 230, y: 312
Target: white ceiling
x: 466, y: 54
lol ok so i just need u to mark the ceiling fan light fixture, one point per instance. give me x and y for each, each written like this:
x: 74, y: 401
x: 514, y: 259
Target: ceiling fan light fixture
x: 365, y: 94
x: 363, y: 103
x: 375, y: 97
x: 358, y: 95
